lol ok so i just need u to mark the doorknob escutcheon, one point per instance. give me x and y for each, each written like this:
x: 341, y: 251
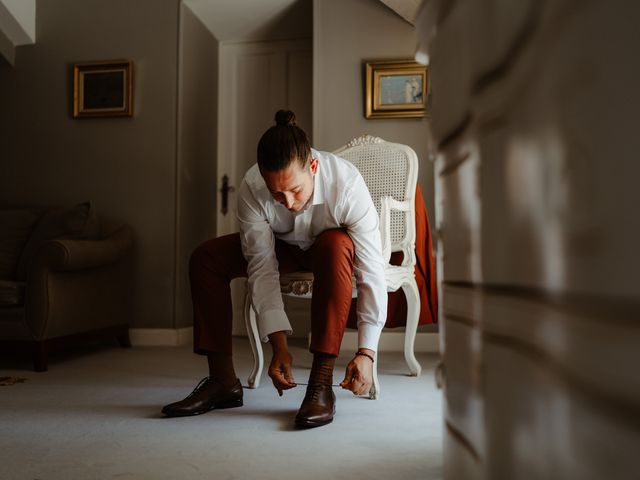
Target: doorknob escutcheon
x: 225, y: 190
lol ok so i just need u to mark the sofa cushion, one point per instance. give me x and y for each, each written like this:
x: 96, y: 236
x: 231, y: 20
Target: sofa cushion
x: 15, y: 227
x: 79, y: 221
x: 11, y: 293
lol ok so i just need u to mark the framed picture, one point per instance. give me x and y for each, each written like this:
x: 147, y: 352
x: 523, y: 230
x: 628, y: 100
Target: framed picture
x: 396, y: 89
x: 103, y: 89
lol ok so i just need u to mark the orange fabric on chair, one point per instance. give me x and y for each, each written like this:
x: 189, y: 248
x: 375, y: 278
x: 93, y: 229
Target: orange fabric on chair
x: 425, y: 277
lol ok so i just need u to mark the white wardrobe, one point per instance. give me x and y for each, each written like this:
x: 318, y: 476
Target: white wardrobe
x: 534, y: 115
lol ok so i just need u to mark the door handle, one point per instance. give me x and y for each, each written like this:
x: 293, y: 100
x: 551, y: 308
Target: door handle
x: 225, y: 190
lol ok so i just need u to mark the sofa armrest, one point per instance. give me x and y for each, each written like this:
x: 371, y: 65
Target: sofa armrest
x: 75, y: 281
x: 67, y: 254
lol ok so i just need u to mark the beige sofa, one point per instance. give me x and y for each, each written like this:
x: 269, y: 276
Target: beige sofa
x: 65, y: 278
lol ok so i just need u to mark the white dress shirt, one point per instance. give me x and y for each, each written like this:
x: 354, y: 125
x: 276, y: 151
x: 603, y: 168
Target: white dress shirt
x: 340, y: 200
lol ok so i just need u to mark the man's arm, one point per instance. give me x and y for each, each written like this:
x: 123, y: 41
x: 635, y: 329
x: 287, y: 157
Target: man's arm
x: 358, y: 376
x: 362, y: 223
x: 281, y: 361
x: 258, y: 242
x: 258, y: 247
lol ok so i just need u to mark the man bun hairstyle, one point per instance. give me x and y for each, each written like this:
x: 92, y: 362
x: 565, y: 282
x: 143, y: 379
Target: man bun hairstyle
x: 283, y: 143
x: 285, y: 118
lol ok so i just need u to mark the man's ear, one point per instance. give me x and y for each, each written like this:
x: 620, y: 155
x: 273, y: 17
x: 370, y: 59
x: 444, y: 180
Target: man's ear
x: 313, y: 164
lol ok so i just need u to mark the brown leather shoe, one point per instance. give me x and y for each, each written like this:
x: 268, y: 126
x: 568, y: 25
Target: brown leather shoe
x: 318, y: 406
x: 209, y: 394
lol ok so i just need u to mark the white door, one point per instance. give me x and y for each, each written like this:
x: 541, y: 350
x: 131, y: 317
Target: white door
x: 256, y: 79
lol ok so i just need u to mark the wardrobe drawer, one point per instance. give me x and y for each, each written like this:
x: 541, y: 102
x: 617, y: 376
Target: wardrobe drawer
x: 451, y: 70
x: 559, y: 157
x: 462, y: 359
x: 559, y: 195
x: 462, y: 301
x: 541, y: 424
x: 458, y: 212
x: 593, y: 341
x: 461, y: 462
x: 475, y: 42
x: 521, y: 232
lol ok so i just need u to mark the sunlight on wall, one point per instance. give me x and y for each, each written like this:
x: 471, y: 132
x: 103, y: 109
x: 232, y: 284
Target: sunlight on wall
x: 537, y: 193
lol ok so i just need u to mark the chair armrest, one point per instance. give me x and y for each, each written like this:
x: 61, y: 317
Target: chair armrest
x: 67, y: 254
x: 388, y: 203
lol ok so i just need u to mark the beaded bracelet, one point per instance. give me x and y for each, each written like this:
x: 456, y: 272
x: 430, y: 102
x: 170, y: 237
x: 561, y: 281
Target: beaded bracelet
x: 366, y: 355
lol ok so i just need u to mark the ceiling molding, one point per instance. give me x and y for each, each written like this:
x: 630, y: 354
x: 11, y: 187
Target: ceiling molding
x: 18, y: 21
x: 7, y: 49
x: 246, y: 20
x: 406, y: 9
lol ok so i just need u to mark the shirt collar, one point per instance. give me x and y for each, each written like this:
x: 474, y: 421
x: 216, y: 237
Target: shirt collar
x: 318, y: 186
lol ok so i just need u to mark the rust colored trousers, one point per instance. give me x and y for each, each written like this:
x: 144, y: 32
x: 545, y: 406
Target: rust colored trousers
x: 216, y: 262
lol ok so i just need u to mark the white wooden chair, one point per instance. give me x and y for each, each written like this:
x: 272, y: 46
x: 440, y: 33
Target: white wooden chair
x: 390, y: 171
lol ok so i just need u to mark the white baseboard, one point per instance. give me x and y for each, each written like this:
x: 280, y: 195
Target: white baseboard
x: 161, y: 337
x: 172, y: 337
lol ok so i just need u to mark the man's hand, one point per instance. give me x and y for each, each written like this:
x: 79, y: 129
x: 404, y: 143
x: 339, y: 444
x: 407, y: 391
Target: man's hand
x: 359, y: 374
x: 280, y: 368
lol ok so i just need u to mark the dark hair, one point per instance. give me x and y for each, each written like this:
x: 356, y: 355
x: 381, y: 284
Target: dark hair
x: 283, y: 143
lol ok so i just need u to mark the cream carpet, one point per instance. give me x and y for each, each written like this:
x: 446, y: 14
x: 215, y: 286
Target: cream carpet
x: 95, y: 415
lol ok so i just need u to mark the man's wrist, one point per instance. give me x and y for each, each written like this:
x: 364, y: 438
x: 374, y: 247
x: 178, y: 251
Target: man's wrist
x: 366, y: 352
x: 278, y: 341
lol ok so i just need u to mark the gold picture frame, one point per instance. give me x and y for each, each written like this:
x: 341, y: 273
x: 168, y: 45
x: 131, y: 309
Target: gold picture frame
x: 103, y: 89
x: 396, y: 89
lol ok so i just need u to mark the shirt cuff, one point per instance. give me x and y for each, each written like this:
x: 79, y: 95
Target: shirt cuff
x: 369, y: 336
x: 273, y: 321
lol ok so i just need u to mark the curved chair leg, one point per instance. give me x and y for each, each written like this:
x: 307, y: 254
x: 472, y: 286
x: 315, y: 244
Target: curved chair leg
x: 413, y: 314
x: 254, y: 339
x: 375, y: 388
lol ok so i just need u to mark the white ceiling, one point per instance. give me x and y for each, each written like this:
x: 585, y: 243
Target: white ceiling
x: 239, y: 19
x: 233, y: 20
x: 18, y: 21
x: 407, y: 9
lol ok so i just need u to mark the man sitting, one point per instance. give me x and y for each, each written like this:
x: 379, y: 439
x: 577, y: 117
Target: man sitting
x: 298, y: 208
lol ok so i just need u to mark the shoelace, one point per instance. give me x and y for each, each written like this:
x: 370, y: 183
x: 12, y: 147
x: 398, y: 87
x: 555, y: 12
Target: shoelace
x: 306, y: 384
x: 200, y: 384
x: 315, y: 389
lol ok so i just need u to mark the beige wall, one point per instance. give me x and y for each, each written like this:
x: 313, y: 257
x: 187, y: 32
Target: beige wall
x: 126, y: 166
x: 156, y: 170
x: 346, y: 33
x: 7, y: 50
x: 197, y: 127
